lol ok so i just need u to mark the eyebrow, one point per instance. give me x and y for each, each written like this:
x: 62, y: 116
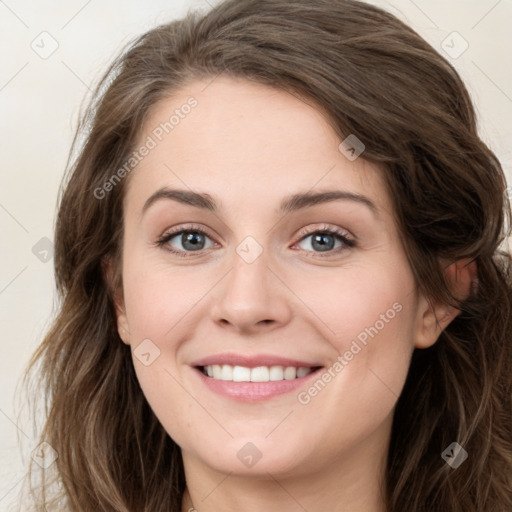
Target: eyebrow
x: 289, y: 204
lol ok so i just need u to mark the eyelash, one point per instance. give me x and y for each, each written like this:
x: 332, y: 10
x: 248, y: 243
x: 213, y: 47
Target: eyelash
x: 326, y: 230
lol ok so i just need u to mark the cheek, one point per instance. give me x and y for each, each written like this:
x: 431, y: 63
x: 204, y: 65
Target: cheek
x: 359, y: 302
x: 367, y: 316
x: 160, y: 308
x: 162, y: 305
x: 371, y: 316
x: 159, y: 299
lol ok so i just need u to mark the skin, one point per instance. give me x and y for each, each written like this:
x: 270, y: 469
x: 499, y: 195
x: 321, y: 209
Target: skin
x: 248, y: 146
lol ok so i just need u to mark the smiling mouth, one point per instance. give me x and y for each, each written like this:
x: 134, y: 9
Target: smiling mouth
x: 227, y: 372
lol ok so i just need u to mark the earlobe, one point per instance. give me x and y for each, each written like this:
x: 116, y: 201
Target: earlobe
x: 116, y: 294
x: 434, y: 318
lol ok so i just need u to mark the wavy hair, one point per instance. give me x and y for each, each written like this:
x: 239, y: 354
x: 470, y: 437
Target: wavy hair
x: 374, y: 77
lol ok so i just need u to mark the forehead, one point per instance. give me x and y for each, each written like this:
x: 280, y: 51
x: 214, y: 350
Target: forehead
x: 235, y: 138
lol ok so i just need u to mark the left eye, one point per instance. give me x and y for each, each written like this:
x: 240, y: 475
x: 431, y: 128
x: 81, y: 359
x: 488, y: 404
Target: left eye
x: 322, y: 241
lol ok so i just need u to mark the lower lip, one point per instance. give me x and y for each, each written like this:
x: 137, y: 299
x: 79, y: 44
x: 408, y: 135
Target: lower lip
x: 253, y: 391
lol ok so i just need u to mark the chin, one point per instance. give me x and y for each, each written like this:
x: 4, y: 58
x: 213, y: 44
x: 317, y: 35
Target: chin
x: 256, y: 457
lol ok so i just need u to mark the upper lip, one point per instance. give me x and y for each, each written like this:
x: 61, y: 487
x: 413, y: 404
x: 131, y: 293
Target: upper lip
x: 252, y: 361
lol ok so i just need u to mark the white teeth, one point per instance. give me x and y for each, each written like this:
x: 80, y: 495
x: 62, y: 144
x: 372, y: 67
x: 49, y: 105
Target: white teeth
x: 276, y: 373
x: 217, y: 371
x: 260, y: 374
x: 302, y: 372
x: 227, y: 372
x: 257, y: 374
x: 241, y: 374
x: 290, y: 373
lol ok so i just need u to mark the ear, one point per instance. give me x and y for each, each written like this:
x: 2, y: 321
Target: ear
x: 434, y: 318
x: 116, y: 292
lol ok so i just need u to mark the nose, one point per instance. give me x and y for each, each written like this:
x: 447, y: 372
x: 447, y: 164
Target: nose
x: 251, y: 298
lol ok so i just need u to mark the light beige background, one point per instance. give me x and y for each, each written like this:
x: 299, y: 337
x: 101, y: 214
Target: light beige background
x: 39, y: 103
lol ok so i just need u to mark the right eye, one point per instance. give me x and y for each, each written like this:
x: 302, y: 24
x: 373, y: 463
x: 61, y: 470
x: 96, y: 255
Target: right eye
x: 192, y: 240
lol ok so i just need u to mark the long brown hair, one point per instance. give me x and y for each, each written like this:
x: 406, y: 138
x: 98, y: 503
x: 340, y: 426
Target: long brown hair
x: 373, y: 77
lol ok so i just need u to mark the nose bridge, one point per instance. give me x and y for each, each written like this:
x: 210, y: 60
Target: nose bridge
x: 249, y: 269
x: 251, y: 295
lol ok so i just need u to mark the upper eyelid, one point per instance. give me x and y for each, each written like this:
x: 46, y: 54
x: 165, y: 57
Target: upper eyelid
x: 179, y: 230
x: 326, y: 228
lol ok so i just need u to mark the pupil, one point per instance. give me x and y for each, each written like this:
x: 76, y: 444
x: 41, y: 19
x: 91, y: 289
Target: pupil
x: 320, y: 240
x: 193, y: 238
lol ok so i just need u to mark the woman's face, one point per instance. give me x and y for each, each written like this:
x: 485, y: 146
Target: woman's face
x: 278, y: 281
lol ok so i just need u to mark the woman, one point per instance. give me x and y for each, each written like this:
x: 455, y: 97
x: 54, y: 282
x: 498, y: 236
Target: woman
x: 340, y: 340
